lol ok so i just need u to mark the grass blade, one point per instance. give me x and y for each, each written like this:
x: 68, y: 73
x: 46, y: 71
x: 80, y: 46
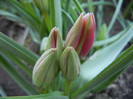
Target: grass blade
x: 114, y: 16
x: 2, y: 92
x: 52, y: 95
x: 18, y: 62
x: 56, y: 15
x: 78, y: 6
x: 8, y: 66
x: 18, y: 50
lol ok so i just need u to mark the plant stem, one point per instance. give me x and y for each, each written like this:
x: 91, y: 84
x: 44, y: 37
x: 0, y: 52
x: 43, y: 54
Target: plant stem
x: 2, y: 92
x: 55, y: 13
x: 40, y: 89
x: 90, y: 5
x: 78, y: 6
x: 67, y: 87
x: 128, y: 9
x: 114, y: 16
x: 47, y: 89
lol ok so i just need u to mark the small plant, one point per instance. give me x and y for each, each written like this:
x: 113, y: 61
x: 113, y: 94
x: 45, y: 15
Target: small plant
x: 84, y: 60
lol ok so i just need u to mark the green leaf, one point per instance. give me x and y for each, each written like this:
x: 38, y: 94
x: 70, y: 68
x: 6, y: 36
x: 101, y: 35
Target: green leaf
x: 2, y: 92
x: 28, y: 13
x: 109, y: 74
x: 18, y: 50
x: 102, y: 33
x: 68, y: 16
x: 17, y: 61
x: 73, y: 13
x: 24, y: 18
x: 96, y: 3
x: 109, y: 40
x: 43, y: 44
x: 35, y: 36
x: 11, y: 16
x: 90, y: 5
x: 114, y: 16
x: 56, y: 15
x: 100, y: 60
x: 8, y: 66
x: 79, y: 7
x: 52, y: 95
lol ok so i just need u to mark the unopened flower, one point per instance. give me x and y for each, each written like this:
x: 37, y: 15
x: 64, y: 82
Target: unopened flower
x: 81, y: 35
x: 55, y: 41
x: 70, y: 64
x: 46, y: 68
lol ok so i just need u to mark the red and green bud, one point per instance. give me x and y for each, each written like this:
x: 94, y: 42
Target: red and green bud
x: 55, y: 41
x: 81, y: 35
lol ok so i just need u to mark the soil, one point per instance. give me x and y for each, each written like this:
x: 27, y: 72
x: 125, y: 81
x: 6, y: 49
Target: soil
x: 121, y: 88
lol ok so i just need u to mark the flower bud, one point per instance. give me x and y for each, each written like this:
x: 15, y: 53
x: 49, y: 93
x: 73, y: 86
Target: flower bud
x: 55, y: 41
x: 46, y: 68
x: 81, y: 35
x: 70, y: 64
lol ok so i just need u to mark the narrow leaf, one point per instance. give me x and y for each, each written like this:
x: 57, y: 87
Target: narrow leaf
x: 18, y: 50
x: 56, y: 15
x: 102, y: 80
x: 8, y: 66
x: 2, y: 92
x: 52, y: 95
x: 114, y: 15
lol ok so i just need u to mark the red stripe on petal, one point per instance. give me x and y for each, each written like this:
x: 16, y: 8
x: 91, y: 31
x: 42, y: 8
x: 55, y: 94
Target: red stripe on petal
x: 54, y: 38
x: 87, y: 44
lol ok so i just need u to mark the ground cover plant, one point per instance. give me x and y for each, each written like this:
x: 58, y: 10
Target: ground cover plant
x: 78, y: 54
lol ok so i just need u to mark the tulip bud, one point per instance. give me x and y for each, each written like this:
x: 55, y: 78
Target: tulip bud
x: 55, y: 41
x: 81, y: 35
x: 46, y: 68
x: 70, y: 64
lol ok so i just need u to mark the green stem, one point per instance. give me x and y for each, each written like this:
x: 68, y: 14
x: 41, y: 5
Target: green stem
x: 114, y: 16
x: 109, y: 40
x: 56, y: 83
x: 90, y: 5
x: 40, y: 90
x: 55, y: 13
x: 120, y: 17
x: 130, y: 6
x: 47, y: 88
x: 78, y: 6
x: 67, y: 6
x: 96, y: 3
x: 2, y: 92
x: 67, y: 87
x: 99, y: 18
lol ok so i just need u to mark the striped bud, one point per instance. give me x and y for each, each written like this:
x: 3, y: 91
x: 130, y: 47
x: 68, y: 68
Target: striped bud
x: 70, y: 64
x: 46, y: 68
x: 81, y: 35
x: 55, y: 41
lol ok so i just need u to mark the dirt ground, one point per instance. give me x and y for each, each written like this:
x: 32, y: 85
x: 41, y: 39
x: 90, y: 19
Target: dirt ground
x: 122, y: 88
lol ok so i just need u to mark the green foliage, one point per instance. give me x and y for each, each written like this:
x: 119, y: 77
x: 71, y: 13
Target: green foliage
x: 52, y: 95
x: 97, y: 72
